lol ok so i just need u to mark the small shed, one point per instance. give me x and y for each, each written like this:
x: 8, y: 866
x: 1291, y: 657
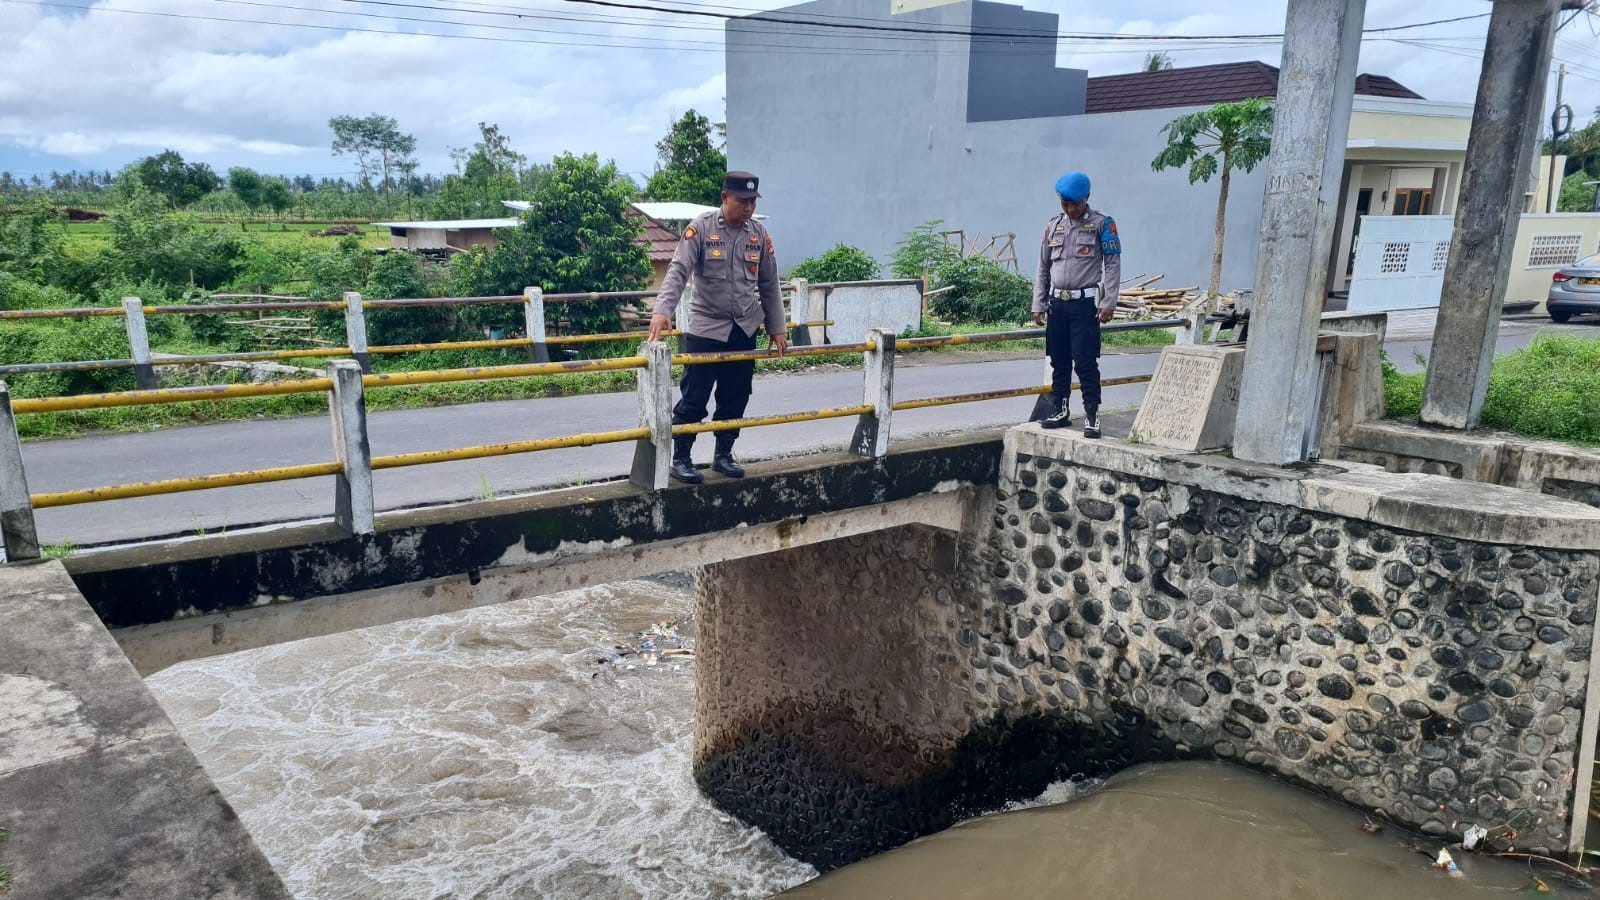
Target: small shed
x: 455, y: 235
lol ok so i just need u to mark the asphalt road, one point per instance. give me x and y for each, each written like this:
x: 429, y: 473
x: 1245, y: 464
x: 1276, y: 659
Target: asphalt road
x: 237, y: 446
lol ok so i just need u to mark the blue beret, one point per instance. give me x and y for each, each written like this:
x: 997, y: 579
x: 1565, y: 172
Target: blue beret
x: 1073, y: 186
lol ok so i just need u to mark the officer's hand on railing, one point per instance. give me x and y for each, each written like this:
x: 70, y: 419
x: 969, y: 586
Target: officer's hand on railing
x: 1104, y: 315
x: 658, y: 324
x: 781, y: 343
x: 1038, y: 318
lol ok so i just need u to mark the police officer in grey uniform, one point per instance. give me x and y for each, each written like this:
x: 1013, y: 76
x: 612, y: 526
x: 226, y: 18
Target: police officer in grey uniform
x: 736, y: 292
x: 1080, y: 269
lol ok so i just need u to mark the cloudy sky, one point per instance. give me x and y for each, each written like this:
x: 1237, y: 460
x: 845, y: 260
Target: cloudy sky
x: 99, y: 83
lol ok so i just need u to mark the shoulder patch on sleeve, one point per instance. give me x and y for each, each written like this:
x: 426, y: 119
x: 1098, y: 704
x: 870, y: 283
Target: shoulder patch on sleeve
x: 770, y: 251
x: 1110, y: 244
x: 689, y: 232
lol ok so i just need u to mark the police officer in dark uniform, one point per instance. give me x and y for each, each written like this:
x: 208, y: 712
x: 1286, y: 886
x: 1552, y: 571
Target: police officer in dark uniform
x: 735, y: 293
x: 1080, y: 268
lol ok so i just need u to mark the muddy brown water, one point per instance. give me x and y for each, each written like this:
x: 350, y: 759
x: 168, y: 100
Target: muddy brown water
x: 489, y: 754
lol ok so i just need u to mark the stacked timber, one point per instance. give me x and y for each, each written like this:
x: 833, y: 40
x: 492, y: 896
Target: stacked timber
x: 1140, y: 297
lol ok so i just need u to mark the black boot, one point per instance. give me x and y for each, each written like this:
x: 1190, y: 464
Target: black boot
x: 724, y: 463
x: 1091, y: 422
x: 1062, y: 416
x: 683, y: 470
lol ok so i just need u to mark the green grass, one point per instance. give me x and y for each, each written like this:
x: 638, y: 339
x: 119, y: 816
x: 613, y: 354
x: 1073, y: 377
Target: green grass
x: 1142, y: 338
x: 1549, y: 389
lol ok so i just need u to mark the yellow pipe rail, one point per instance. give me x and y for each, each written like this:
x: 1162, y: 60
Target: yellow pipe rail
x: 482, y: 373
x: 1009, y: 394
x: 838, y: 412
x: 482, y: 451
x: 700, y: 359
x: 180, y: 485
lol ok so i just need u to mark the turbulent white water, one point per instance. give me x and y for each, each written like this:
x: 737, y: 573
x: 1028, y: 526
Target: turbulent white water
x: 479, y: 755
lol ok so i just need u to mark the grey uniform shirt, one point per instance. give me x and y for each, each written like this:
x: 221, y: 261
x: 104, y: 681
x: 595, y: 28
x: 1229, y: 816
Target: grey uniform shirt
x: 1076, y: 254
x: 730, y: 267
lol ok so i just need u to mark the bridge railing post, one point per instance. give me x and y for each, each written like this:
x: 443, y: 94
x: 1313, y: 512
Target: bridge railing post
x: 872, y: 429
x: 652, y: 457
x: 533, y: 309
x: 16, y: 509
x: 144, y: 374
x: 800, y: 312
x: 682, y: 316
x: 1193, y: 329
x: 355, y: 330
x: 352, y: 500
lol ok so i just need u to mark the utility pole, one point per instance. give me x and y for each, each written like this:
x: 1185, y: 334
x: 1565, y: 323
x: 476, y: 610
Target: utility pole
x: 1560, y: 124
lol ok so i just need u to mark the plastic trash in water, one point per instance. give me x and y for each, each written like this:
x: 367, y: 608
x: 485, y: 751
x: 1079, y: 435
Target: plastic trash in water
x: 1474, y: 836
x: 1446, y: 863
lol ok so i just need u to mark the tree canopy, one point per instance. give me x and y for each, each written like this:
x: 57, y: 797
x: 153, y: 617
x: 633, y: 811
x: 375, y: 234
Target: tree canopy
x: 690, y: 169
x: 168, y: 175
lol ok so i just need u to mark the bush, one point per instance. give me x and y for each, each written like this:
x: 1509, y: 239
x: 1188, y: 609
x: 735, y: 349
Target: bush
x: 842, y: 263
x: 981, y: 291
x: 65, y: 340
x: 922, y: 251
x: 1548, y: 389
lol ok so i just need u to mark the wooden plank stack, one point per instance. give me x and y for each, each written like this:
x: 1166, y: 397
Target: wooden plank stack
x: 1140, y: 298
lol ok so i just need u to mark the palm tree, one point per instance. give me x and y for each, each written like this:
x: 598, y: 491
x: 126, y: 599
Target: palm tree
x: 1157, y: 62
x: 1225, y: 137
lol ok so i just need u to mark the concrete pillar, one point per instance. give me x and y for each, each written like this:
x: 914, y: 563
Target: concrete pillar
x: 800, y: 312
x: 533, y: 310
x: 652, y: 457
x: 872, y: 430
x: 16, y: 510
x: 144, y: 374
x: 1278, y: 393
x: 1494, y: 179
x: 355, y: 330
x: 353, y: 501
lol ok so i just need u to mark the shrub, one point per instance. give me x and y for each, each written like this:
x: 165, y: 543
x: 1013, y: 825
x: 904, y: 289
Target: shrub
x: 842, y: 263
x: 922, y: 251
x: 64, y: 340
x: 981, y: 291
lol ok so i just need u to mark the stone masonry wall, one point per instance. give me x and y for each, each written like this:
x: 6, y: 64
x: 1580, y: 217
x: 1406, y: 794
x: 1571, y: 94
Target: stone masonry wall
x: 1435, y: 681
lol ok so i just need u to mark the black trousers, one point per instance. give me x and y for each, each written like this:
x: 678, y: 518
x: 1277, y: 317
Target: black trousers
x: 1072, y: 340
x: 730, y: 380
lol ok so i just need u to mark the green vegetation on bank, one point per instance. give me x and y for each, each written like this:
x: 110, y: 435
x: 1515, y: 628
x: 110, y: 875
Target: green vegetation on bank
x: 1548, y: 389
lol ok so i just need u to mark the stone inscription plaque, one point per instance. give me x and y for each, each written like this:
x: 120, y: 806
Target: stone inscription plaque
x: 1193, y: 399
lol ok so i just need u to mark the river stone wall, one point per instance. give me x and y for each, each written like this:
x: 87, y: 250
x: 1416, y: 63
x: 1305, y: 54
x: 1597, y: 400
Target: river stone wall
x: 1416, y: 646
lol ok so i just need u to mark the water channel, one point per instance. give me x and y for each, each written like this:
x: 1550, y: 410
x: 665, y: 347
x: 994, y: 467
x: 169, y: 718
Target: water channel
x: 511, y: 752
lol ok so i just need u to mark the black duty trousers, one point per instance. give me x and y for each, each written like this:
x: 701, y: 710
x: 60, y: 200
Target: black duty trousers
x: 730, y: 379
x: 1072, y: 340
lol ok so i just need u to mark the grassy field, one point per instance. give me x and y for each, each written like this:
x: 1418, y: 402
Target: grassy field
x: 271, y: 233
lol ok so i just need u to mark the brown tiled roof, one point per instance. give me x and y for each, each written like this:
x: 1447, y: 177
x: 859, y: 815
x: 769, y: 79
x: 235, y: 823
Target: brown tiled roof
x: 658, y: 240
x: 1205, y: 85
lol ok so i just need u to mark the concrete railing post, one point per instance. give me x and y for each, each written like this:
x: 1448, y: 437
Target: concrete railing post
x: 872, y: 429
x: 800, y: 312
x: 533, y: 308
x: 16, y: 509
x: 355, y: 330
x: 144, y: 374
x: 652, y: 456
x: 1044, y: 406
x: 352, y: 502
x: 1193, y: 329
x: 682, y: 316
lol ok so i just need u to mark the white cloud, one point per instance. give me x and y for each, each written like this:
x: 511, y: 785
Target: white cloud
x: 101, y: 88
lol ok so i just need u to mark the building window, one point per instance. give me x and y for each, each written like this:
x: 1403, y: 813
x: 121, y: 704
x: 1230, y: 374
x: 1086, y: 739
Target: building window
x: 1553, y: 250
x: 1441, y: 253
x: 1413, y: 202
x: 1396, y: 254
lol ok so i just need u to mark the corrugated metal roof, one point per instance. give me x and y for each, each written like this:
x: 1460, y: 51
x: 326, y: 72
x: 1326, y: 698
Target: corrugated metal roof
x: 454, y: 224
x: 1205, y: 85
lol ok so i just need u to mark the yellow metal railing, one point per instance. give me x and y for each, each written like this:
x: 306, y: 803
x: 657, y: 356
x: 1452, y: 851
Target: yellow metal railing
x: 644, y: 433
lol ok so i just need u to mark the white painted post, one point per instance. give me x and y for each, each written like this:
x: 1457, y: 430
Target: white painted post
x: 533, y: 308
x: 652, y: 457
x: 144, y: 374
x: 355, y: 330
x: 685, y: 300
x: 1193, y: 330
x: 16, y: 510
x: 800, y: 309
x: 872, y: 429
x: 352, y: 501
x: 1044, y: 406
